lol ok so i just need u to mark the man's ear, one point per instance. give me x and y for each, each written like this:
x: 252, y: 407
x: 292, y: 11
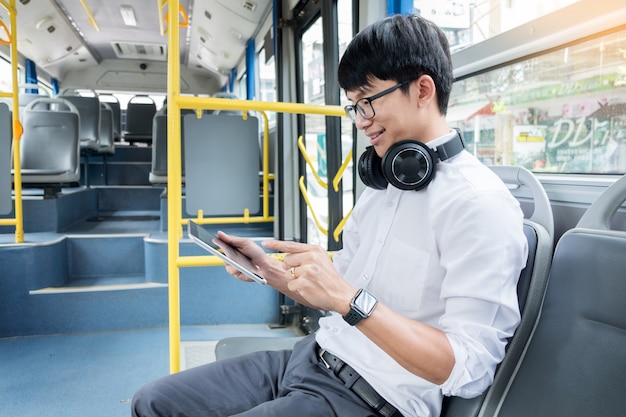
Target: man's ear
x: 427, y: 92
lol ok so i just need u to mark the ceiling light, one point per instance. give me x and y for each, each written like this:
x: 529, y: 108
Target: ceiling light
x: 44, y: 23
x: 128, y: 15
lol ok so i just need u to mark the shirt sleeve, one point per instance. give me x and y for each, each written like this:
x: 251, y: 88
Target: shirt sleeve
x: 483, y: 251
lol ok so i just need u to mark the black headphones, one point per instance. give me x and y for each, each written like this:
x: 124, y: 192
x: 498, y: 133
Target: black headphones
x: 407, y: 165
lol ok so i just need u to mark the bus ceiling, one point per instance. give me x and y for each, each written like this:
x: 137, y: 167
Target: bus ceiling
x: 122, y: 45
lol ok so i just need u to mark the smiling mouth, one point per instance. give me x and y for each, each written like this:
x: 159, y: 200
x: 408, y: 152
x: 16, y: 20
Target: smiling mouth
x: 374, y: 139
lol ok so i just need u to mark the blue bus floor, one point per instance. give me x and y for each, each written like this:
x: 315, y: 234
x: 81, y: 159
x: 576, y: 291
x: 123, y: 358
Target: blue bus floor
x: 96, y: 374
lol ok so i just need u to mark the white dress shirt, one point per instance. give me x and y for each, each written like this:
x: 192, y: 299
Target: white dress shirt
x: 449, y: 256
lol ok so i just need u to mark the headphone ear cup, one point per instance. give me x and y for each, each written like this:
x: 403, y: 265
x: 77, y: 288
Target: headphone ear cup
x: 370, y: 169
x: 409, y: 165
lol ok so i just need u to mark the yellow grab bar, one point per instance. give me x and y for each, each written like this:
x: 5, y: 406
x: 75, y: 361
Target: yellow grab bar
x: 310, y: 163
x: 305, y: 195
x: 92, y: 20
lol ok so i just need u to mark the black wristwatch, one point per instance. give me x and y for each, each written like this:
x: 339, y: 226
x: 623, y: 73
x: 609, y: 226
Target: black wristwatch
x: 361, y: 307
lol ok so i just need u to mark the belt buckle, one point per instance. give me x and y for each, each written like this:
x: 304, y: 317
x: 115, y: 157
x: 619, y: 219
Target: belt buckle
x: 321, y: 355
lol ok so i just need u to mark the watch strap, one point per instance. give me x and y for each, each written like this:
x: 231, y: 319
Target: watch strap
x: 353, y: 317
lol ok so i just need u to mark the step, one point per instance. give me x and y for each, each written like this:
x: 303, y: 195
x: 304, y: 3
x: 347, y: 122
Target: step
x: 91, y: 256
x: 98, y: 284
x: 118, y: 173
x: 137, y: 198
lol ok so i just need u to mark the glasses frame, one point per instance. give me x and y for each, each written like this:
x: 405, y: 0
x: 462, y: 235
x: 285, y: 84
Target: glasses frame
x: 352, y: 109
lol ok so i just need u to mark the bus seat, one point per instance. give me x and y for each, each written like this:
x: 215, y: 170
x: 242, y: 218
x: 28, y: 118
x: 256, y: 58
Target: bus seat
x: 221, y: 160
x: 158, y: 170
x: 27, y: 93
x: 539, y: 231
x: 6, y: 138
x: 575, y: 363
x: 89, y: 110
x: 49, y: 147
x: 140, y: 111
x: 114, y: 104
x: 106, y: 140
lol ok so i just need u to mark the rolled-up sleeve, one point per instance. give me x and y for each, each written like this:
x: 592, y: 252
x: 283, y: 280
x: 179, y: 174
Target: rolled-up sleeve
x: 485, y: 252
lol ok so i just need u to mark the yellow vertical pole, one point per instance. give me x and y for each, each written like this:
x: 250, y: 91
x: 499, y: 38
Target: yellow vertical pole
x: 17, y: 130
x: 174, y: 180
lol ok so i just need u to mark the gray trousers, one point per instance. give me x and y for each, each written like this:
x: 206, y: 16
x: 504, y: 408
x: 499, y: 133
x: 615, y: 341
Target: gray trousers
x: 261, y: 384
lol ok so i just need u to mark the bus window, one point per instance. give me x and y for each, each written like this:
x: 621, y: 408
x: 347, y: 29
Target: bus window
x: 562, y: 111
x: 469, y: 22
x: 315, y: 138
x: 314, y: 84
x: 267, y: 81
x: 5, y: 75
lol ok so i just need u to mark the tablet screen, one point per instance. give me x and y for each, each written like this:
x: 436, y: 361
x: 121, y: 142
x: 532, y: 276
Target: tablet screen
x: 224, y: 251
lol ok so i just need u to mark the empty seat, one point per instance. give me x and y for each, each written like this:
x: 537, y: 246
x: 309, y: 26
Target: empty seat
x: 139, y: 114
x: 28, y: 93
x: 89, y: 110
x: 6, y: 137
x: 49, y: 147
x: 539, y: 231
x: 114, y: 104
x: 215, y: 145
x: 106, y: 141
x: 158, y: 171
x: 575, y: 362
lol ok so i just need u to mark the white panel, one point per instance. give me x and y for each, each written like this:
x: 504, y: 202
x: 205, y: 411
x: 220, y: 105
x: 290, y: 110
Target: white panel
x: 43, y: 34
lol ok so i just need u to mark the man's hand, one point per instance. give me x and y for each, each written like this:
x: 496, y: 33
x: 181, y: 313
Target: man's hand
x: 313, y: 276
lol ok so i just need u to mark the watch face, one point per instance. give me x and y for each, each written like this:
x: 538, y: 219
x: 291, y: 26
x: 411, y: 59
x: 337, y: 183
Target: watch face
x: 365, y: 302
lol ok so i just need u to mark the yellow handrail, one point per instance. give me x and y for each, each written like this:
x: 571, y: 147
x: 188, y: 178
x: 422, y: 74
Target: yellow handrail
x: 164, y: 17
x: 92, y: 20
x: 307, y: 159
x: 338, y: 177
x: 174, y: 201
x: 18, y: 221
x: 305, y: 195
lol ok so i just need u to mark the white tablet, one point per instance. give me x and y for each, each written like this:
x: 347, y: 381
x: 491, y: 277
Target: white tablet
x: 224, y: 251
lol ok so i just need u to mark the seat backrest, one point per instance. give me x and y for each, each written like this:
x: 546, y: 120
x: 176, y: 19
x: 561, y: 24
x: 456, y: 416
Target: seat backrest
x: 106, y: 140
x: 49, y: 147
x: 6, y: 204
x: 114, y: 104
x: 139, y: 114
x: 215, y: 146
x: 575, y: 362
x: 28, y: 93
x: 539, y: 231
x: 89, y: 110
x: 158, y: 171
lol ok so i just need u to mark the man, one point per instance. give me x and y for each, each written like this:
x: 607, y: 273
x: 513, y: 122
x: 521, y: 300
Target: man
x: 422, y: 297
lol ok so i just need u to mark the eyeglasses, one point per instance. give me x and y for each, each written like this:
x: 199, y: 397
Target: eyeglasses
x: 364, y: 105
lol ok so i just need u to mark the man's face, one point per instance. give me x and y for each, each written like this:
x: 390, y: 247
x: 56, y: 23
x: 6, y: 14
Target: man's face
x: 384, y: 112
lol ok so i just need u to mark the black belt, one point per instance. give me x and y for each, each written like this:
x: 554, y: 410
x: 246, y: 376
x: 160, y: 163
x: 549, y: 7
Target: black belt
x: 357, y: 384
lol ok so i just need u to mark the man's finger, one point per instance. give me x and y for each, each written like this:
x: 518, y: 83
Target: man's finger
x: 287, y: 247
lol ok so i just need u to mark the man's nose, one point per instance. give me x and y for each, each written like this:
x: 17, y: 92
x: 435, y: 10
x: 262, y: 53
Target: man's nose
x: 361, y: 122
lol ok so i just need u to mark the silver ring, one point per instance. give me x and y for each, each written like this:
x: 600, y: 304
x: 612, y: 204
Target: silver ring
x: 292, y: 271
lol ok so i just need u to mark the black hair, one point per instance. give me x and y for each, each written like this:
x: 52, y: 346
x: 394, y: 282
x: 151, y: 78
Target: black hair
x: 400, y: 48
